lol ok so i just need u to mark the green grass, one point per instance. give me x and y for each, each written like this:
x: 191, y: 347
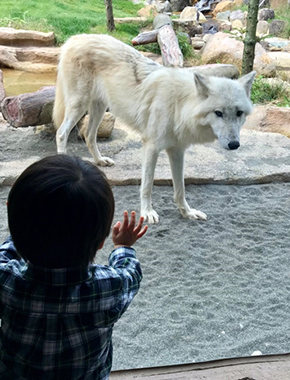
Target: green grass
x: 68, y: 17
x: 264, y: 92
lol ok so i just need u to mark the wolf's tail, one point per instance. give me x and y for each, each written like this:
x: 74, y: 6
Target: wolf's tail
x: 59, y: 104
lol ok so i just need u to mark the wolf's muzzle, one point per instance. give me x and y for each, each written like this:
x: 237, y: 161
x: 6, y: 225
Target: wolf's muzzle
x: 233, y: 145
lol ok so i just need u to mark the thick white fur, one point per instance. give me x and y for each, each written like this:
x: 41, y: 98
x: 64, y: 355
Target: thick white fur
x: 171, y: 108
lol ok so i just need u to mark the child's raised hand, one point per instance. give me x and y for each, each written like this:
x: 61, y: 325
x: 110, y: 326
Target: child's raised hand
x: 126, y: 234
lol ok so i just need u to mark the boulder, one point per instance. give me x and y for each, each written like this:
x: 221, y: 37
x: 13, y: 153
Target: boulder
x: 238, y: 15
x: 262, y: 29
x: 218, y: 70
x: 238, y: 24
x: 269, y: 119
x: 105, y: 129
x: 281, y: 59
x: 149, y: 11
x: 222, y: 48
x: 190, y: 13
x: 16, y: 37
x: 278, y: 44
x: 197, y: 43
x: 266, y: 14
x: 224, y: 16
x: 276, y: 27
x: 29, y: 58
x: 222, y: 7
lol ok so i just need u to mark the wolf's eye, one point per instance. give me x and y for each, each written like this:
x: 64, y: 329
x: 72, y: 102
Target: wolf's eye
x: 239, y: 113
x: 219, y: 113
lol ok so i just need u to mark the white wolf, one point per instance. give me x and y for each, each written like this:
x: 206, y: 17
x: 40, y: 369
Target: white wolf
x: 171, y: 108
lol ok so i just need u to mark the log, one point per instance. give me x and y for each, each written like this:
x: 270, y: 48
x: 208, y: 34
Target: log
x: 35, y: 109
x: 164, y: 34
x: 29, y: 109
x: 170, y: 50
x: 145, y: 38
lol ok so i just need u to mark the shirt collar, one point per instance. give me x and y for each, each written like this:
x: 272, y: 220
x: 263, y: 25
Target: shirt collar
x: 58, y: 276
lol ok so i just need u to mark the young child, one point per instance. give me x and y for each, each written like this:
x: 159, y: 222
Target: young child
x: 57, y: 307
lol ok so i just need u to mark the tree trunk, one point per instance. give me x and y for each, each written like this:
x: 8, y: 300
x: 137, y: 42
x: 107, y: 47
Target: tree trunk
x: 110, y: 16
x: 250, y: 39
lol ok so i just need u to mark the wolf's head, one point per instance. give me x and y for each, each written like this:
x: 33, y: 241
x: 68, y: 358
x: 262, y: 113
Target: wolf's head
x: 225, y: 105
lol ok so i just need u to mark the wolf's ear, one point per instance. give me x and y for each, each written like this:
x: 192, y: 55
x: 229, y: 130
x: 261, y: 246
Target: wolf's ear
x: 201, y: 83
x: 247, y: 81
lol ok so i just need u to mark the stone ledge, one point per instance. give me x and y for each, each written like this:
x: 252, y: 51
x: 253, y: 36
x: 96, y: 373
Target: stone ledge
x: 15, y: 37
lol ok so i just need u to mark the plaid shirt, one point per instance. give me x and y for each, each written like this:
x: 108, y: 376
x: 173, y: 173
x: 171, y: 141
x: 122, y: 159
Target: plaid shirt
x: 58, y: 323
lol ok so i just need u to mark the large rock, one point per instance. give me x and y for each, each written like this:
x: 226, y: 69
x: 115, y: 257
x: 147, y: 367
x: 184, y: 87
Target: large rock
x: 222, y: 7
x: 218, y: 70
x: 269, y: 119
x: 16, y: 37
x: 262, y: 29
x: 281, y: 60
x: 29, y: 58
x: 105, y: 129
x: 265, y: 14
x: 224, y: 49
x: 276, y: 27
x: 238, y: 15
x: 189, y: 13
x: 149, y: 11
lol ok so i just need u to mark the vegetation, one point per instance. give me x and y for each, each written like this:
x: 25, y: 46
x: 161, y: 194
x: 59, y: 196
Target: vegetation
x: 68, y: 17
x: 275, y: 92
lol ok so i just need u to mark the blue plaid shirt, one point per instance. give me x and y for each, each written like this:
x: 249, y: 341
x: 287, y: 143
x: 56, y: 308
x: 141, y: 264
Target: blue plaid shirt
x: 57, y: 324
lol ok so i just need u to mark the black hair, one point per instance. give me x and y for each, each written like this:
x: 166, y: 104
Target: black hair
x: 60, y: 211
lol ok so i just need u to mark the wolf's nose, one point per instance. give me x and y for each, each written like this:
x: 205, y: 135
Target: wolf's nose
x: 233, y: 145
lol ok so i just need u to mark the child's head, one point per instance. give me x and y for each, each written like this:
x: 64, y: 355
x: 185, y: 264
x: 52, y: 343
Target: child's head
x: 60, y: 212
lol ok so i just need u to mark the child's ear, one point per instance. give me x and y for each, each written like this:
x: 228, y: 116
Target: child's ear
x: 101, y: 245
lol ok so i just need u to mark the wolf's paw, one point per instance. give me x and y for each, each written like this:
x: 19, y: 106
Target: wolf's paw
x: 195, y: 214
x: 105, y: 161
x: 150, y: 216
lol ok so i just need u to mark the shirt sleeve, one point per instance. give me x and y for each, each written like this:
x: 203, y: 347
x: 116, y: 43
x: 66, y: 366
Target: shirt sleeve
x: 8, y: 251
x: 128, y: 268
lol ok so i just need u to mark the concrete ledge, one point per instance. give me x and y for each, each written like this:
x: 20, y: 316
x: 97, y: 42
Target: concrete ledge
x: 267, y: 367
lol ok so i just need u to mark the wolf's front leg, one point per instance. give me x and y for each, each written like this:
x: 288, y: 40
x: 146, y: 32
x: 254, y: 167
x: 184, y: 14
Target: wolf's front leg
x: 176, y: 158
x: 149, y: 159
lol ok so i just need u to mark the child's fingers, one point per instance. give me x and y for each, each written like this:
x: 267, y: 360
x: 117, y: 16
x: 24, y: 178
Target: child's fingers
x: 116, y: 229
x: 142, y: 232
x: 139, y: 225
x: 125, y: 220
x: 133, y: 220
